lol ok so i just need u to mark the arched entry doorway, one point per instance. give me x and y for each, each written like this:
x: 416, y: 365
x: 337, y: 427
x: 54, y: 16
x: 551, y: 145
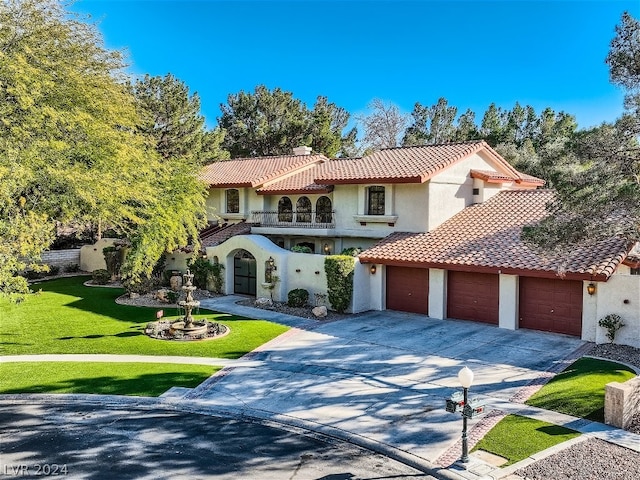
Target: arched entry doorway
x: 244, y: 273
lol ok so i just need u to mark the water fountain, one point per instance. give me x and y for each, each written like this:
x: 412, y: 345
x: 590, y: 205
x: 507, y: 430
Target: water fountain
x: 187, y: 328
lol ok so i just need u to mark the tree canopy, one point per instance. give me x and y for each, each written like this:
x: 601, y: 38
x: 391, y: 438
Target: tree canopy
x: 597, y: 173
x: 273, y: 122
x: 172, y: 117
x: 69, y: 146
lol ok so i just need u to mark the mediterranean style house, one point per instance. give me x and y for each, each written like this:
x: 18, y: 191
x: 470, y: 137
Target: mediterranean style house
x: 439, y: 228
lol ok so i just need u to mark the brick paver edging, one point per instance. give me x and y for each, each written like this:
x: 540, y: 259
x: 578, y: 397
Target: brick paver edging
x: 480, y: 429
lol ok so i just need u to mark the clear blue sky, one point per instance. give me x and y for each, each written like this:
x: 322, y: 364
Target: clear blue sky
x: 542, y: 53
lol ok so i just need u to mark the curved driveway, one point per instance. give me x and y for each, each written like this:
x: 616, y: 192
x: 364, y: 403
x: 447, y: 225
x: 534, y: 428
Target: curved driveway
x: 382, y: 376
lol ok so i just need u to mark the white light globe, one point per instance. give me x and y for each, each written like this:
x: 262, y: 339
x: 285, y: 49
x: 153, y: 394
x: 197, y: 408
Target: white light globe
x: 465, y: 377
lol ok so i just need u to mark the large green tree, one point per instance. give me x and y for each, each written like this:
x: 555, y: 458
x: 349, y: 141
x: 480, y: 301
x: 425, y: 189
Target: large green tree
x: 273, y: 122
x: 597, y: 175
x: 69, y: 147
x: 431, y: 125
x: 172, y: 118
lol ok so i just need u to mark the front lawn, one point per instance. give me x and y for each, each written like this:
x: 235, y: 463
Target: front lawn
x: 68, y: 317
x: 142, y: 379
x: 579, y: 390
x: 516, y: 438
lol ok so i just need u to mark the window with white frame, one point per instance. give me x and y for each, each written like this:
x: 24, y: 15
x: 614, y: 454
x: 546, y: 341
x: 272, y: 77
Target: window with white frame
x: 375, y: 200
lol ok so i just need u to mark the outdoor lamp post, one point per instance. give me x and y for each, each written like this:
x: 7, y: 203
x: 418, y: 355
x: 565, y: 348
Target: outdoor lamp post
x: 465, y: 377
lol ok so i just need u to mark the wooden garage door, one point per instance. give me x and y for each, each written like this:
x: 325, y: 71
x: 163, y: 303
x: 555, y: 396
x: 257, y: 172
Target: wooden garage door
x: 408, y: 289
x: 551, y: 305
x: 473, y: 296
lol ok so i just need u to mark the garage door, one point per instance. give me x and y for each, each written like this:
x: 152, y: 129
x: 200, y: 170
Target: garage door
x: 408, y: 289
x: 473, y: 296
x: 551, y: 305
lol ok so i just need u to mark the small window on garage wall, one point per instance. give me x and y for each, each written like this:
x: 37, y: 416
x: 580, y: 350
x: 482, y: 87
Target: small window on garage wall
x: 375, y: 200
x: 233, y: 200
x: 635, y: 271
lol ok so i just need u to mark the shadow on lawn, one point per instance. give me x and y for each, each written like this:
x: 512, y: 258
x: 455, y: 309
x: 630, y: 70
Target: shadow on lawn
x: 147, y: 385
x: 102, y: 301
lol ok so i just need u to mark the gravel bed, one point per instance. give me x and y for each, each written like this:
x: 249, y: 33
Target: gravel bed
x: 592, y: 459
x: 150, y: 300
x: 303, y: 312
x: 617, y: 353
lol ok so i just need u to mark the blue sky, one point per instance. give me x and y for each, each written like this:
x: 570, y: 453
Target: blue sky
x: 542, y: 53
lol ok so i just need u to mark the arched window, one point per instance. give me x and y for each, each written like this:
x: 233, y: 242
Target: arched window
x: 285, y: 210
x: 303, y: 210
x: 323, y: 210
x: 375, y: 200
x: 233, y: 200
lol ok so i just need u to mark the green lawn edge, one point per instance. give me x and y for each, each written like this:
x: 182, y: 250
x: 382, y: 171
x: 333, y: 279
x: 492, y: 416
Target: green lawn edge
x: 66, y: 317
x: 105, y: 378
x: 579, y: 389
x: 516, y: 437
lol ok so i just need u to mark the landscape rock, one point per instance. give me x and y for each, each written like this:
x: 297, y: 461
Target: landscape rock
x: 161, y: 295
x: 134, y: 295
x: 320, y: 311
x: 264, y: 302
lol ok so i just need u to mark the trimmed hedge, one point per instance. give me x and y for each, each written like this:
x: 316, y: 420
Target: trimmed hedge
x: 100, y: 276
x: 339, y: 270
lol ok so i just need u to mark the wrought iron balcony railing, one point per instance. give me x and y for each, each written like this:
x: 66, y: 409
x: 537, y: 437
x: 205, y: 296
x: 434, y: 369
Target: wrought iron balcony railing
x: 305, y: 219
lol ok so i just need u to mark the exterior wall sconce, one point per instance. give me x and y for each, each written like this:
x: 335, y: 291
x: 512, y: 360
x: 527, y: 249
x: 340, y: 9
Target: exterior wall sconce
x: 326, y: 249
x: 373, y: 269
x: 272, y: 263
x: 591, y: 288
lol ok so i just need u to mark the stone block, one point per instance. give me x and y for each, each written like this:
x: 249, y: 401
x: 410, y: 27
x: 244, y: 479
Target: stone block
x: 621, y: 402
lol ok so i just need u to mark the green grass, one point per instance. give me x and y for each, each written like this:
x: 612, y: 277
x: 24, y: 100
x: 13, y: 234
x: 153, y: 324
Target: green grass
x: 142, y: 379
x: 579, y: 390
x: 68, y: 317
x: 516, y: 438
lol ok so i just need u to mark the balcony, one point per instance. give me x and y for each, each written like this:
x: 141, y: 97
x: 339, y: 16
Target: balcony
x: 308, y: 219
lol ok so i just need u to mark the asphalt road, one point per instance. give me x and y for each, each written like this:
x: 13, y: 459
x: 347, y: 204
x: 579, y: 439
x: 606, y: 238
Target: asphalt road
x: 82, y: 441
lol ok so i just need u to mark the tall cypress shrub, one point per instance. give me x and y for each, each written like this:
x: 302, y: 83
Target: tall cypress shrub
x: 339, y: 270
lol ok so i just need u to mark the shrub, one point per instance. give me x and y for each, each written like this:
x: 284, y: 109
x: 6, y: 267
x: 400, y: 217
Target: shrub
x: 173, y: 296
x: 298, y: 297
x: 612, y: 323
x: 54, y: 269
x: 352, y: 251
x: 301, y: 249
x: 141, y: 286
x: 100, y: 276
x: 202, y: 270
x: 216, y: 277
x: 339, y: 270
x: 72, y: 268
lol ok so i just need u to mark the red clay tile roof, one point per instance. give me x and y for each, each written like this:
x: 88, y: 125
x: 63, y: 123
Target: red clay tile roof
x: 496, y: 177
x: 303, y: 182
x: 486, y: 238
x: 251, y: 172
x: 217, y: 236
x: 409, y: 164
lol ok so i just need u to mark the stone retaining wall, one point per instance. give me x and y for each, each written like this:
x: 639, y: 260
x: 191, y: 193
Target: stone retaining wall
x: 621, y: 402
x: 61, y: 258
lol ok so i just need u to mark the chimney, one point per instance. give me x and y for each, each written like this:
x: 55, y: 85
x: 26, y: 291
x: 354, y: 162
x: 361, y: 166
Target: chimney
x: 302, y: 150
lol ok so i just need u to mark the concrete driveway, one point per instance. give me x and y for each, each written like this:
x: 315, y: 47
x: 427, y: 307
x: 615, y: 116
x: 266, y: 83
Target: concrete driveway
x: 382, y: 376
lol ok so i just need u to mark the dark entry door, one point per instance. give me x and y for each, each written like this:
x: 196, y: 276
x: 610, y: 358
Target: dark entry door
x: 244, y: 276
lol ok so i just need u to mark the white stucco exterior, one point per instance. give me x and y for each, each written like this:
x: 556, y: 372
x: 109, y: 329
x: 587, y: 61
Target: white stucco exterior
x: 508, y: 306
x: 437, y: 293
x: 619, y: 295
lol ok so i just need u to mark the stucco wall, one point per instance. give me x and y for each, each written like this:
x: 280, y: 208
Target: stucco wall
x: 619, y: 295
x: 177, y: 261
x: 91, y: 256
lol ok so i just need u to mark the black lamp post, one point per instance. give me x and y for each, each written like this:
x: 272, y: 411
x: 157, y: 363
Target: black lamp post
x: 465, y: 377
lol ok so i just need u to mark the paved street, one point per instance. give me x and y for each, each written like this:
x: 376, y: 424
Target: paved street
x: 124, y: 440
